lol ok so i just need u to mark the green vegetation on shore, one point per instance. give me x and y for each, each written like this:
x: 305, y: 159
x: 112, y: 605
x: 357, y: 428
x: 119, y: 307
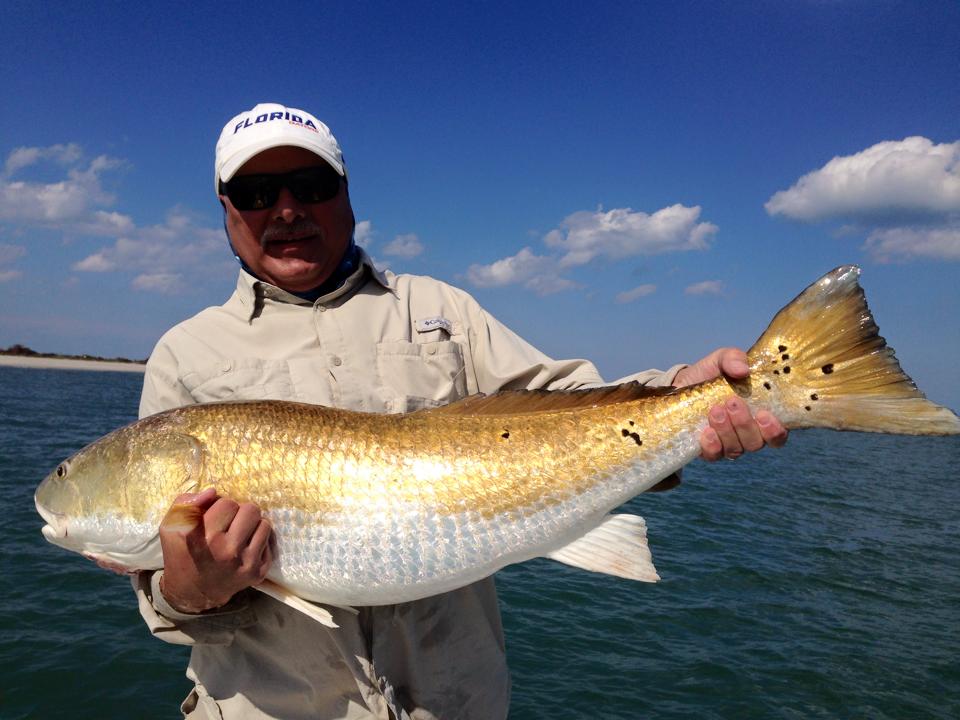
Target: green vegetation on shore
x: 24, y: 351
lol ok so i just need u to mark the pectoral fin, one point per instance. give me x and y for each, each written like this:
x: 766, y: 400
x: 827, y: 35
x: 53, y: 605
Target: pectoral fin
x: 617, y: 546
x: 279, y: 592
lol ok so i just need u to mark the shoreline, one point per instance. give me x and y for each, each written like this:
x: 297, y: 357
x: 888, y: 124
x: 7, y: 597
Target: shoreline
x: 42, y: 363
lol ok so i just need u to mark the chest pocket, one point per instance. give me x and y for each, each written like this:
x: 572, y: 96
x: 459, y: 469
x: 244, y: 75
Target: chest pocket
x: 420, y: 375
x: 241, y: 379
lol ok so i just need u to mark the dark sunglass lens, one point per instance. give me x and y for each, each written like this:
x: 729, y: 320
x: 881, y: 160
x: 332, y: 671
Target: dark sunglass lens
x: 314, y: 185
x: 253, y: 192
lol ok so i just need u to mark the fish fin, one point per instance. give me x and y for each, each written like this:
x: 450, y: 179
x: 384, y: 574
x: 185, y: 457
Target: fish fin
x: 668, y: 483
x: 823, y: 363
x: 183, y: 517
x: 282, y: 594
x: 617, y: 546
x: 516, y: 402
x: 149, y: 556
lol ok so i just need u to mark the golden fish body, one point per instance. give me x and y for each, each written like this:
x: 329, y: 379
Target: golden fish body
x: 375, y: 509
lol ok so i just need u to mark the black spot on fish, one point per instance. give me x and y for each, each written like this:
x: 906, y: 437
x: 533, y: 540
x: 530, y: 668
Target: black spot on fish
x: 634, y: 436
x: 807, y: 408
x: 505, y: 435
x: 766, y: 385
x: 814, y: 396
x: 786, y: 370
x: 784, y: 357
x: 632, y: 423
x: 624, y: 432
x: 782, y: 348
x: 827, y: 369
x: 776, y: 372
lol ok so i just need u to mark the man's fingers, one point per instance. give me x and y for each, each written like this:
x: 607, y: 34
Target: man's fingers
x: 744, y: 426
x: 719, y: 420
x: 773, y: 432
x: 218, y: 517
x: 259, y: 552
x: 244, y: 524
x: 710, y: 446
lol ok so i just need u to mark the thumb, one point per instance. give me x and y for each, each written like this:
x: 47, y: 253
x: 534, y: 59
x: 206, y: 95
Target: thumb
x: 733, y: 363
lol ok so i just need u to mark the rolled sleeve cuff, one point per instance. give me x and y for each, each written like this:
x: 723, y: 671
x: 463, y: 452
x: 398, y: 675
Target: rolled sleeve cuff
x: 653, y: 378
x: 215, y: 627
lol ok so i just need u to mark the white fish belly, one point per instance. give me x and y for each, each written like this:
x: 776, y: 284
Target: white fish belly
x: 402, y: 552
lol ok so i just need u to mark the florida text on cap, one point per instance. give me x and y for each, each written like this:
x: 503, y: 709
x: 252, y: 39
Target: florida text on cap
x: 270, y: 125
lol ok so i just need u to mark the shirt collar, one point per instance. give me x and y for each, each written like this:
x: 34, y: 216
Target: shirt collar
x: 252, y: 292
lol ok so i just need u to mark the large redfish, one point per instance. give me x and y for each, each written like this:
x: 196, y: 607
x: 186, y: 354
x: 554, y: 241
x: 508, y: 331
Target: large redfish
x: 377, y: 509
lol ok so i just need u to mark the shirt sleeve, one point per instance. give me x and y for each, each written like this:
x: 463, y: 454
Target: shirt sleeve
x: 502, y: 360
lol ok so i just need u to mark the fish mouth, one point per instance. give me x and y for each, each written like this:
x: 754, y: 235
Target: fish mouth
x: 55, y: 530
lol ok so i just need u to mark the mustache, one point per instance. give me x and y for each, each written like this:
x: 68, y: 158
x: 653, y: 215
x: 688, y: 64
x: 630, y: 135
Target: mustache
x: 293, y: 231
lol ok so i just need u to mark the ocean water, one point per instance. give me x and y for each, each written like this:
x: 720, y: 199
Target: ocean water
x: 818, y: 581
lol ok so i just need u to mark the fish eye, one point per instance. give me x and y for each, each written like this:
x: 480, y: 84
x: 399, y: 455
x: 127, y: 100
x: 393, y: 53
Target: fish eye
x: 61, y: 470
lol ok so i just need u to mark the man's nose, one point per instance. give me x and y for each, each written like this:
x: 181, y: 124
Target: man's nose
x: 287, y: 208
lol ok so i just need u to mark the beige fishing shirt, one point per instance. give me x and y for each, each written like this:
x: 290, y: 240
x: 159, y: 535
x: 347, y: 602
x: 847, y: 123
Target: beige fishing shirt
x: 381, y: 343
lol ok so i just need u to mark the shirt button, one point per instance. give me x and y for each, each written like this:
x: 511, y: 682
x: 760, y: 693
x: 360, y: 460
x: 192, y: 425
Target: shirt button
x: 322, y: 308
x: 431, y: 351
x: 337, y: 361
x: 226, y: 366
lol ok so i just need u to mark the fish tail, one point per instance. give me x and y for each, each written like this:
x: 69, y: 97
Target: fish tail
x: 823, y: 363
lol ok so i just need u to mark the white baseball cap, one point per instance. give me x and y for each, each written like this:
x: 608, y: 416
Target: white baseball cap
x: 270, y: 125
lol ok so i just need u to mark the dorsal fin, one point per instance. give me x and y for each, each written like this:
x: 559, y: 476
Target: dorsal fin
x: 517, y: 402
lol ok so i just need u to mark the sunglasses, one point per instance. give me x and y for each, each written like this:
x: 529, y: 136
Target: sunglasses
x: 259, y: 192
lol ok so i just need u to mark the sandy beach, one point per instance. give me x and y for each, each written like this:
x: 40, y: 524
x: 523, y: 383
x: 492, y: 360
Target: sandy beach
x: 69, y: 364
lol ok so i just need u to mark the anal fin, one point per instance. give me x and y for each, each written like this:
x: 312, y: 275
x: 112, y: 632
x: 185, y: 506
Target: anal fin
x: 311, y: 610
x: 617, y: 546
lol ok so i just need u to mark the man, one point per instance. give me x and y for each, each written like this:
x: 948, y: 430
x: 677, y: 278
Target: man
x: 312, y: 320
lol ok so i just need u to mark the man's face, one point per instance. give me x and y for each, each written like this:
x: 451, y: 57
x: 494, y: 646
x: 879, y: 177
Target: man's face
x: 294, y: 245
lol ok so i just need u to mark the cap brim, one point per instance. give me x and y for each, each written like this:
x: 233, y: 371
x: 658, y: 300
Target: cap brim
x: 232, y: 164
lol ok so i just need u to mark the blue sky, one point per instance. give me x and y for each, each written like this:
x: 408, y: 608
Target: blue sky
x: 636, y: 182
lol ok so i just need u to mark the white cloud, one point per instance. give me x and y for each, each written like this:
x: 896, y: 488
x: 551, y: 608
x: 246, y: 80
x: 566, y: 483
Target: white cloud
x: 26, y: 156
x: 161, y: 253
x: 105, y: 223
x: 622, y: 232
x: 535, y: 272
x: 71, y: 204
x: 163, y: 258
x: 584, y: 236
x: 905, y: 194
x: 363, y: 233
x: 164, y: 283
x: 891, y: 178
x: 98, y: 262
x: 891, y: 244
x: 707, y: 287
x: 404, y: 246
x: 637, y: 292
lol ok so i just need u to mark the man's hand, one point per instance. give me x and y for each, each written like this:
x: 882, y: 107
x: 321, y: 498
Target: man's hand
x: 213, y: 548
x: 732, y: 430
